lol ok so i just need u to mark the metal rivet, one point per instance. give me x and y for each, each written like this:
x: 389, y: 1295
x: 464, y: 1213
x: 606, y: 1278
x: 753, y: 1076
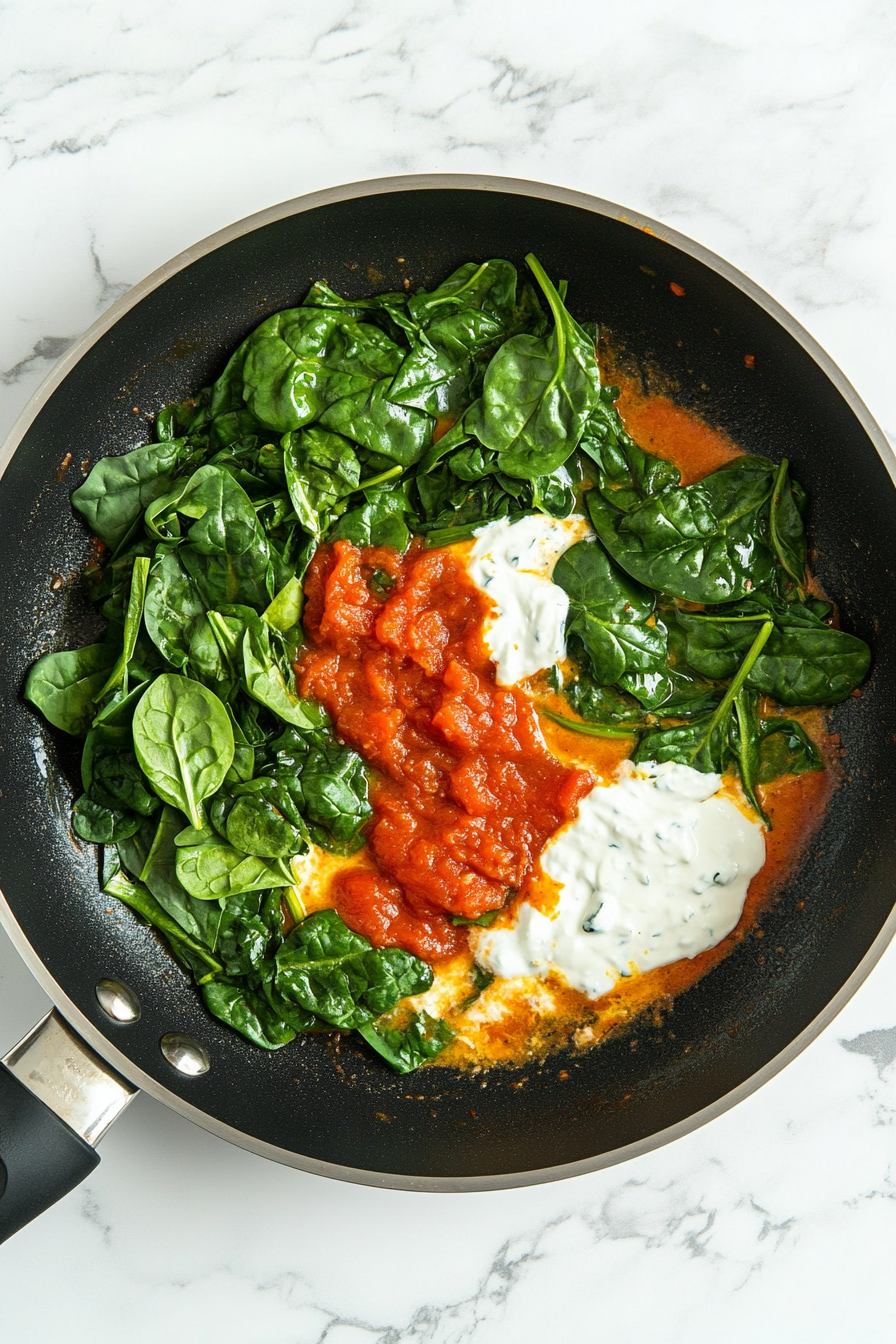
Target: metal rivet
x: 117, y: 1001
x: 185, y: 1053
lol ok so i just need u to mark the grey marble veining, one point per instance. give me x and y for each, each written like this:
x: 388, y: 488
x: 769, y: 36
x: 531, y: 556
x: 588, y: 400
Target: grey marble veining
x: 128, y: 131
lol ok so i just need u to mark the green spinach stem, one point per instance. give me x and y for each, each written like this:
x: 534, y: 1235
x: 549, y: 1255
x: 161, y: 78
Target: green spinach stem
x: 373, y: 480
x: 739, y: 678
x: 590, y: 729
x: 557, y: 309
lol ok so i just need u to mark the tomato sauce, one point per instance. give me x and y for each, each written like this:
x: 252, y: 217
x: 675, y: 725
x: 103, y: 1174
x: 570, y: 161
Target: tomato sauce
x: 667, y: 430
x: 464, y: 792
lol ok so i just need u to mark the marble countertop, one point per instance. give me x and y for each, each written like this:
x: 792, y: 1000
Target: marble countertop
x: 129, y: 131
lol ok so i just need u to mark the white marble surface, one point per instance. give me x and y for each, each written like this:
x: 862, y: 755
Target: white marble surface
x: 129, y: 130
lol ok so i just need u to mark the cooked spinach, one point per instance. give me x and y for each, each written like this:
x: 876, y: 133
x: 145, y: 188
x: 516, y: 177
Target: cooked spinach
x: 707, y: 542
x: 609, y: 613
x: 407, y: 1048
x: 65, y: 687
x: 119, y: 489
x: 702, y: 743
x: 538, y: 392
x: 806, y: 661
x: 336, y: 974
x: 379, y: 421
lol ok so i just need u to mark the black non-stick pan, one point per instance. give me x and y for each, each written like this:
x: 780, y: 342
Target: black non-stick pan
x: 325, y: 1103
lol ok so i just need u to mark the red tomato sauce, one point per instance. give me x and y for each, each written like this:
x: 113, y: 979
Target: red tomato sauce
x: 464, y: 792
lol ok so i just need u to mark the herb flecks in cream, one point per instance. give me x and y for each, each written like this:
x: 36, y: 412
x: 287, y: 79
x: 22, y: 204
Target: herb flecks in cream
x: 654, y: 868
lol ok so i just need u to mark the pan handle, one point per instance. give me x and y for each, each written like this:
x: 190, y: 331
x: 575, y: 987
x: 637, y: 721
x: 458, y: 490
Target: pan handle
x: 57, y: 1098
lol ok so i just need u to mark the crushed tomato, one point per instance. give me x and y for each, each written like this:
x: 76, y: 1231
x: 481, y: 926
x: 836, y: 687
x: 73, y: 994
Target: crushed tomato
x: 464, y: 792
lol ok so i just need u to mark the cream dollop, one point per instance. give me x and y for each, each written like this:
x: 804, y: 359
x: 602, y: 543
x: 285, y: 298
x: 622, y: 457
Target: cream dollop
x: 512, y: 564
x: 654, y: 868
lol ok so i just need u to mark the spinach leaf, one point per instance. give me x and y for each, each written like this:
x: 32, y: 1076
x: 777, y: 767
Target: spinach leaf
x: 65, y: 687
x: 133, y: 617
x: 744, y: 745
x: 248, y: 1012
x: 487, y: 287
x: 451, y: 331
x: 136, y: 895
x: 785, y: 749
x: 587, y: 729
x: 284, y: 612
x: 600, y: 704
x: 265, y: 681
x: 460, y: 433
x: 323, y: 781
x: 337, y: 975
x: 110, y: 773
x: 212, y: 871
x: 703, y: 743
x: 243, y: 767
x: 174, y: 613
x: 609, y: 613
x: 119, y: 489
x: 322, y: 468
x: 302, y: 360
x: 380, y: 521
x: 765, y: 749
x: 704, y: 543
x: 380, y: 425
x: 421, y: 1040
x: 786, y: 523
x: 627, y: 475
x: 538, y: 393
x: 555, y: 494
x: 226, y: 550
x: 102, y: 825
x: 183, y: 741
x: 256, y: 825
x: 438, y: 375
x: 201, y: 919
x: 118, y: 711
x: 805, y: 662
x: 250, y: 933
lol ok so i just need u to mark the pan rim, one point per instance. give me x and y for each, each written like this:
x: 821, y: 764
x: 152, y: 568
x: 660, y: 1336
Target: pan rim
x: 298, y: 205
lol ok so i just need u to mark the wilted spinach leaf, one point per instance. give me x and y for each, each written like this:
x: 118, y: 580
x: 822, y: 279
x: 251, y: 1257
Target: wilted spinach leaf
x: 408, y: 1048
x: 337, y: 975
x: 805, y: 662
x: 538, y: 393
x: 119, y: 489
x: 302, y: 360
x: 214, y: 871
x: 706, y: 542
x: 225, y: 550
x: 609, y: 612
x: 786, y: 519
x: 248, y: 1012
x: 322, y: 468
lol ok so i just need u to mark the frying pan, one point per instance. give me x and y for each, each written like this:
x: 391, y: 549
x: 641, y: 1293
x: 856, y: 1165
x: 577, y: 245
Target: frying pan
x: 325, y: 1104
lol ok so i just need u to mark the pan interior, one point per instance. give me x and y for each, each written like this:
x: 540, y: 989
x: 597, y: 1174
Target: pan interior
x: 324, y: 1098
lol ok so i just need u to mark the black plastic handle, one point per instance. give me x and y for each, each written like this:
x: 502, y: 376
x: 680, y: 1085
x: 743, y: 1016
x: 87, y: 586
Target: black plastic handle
x: 41, y: 1157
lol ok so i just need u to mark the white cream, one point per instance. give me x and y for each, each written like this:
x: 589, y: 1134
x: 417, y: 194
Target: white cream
x: 654, y: 868
x: 512, y: 563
